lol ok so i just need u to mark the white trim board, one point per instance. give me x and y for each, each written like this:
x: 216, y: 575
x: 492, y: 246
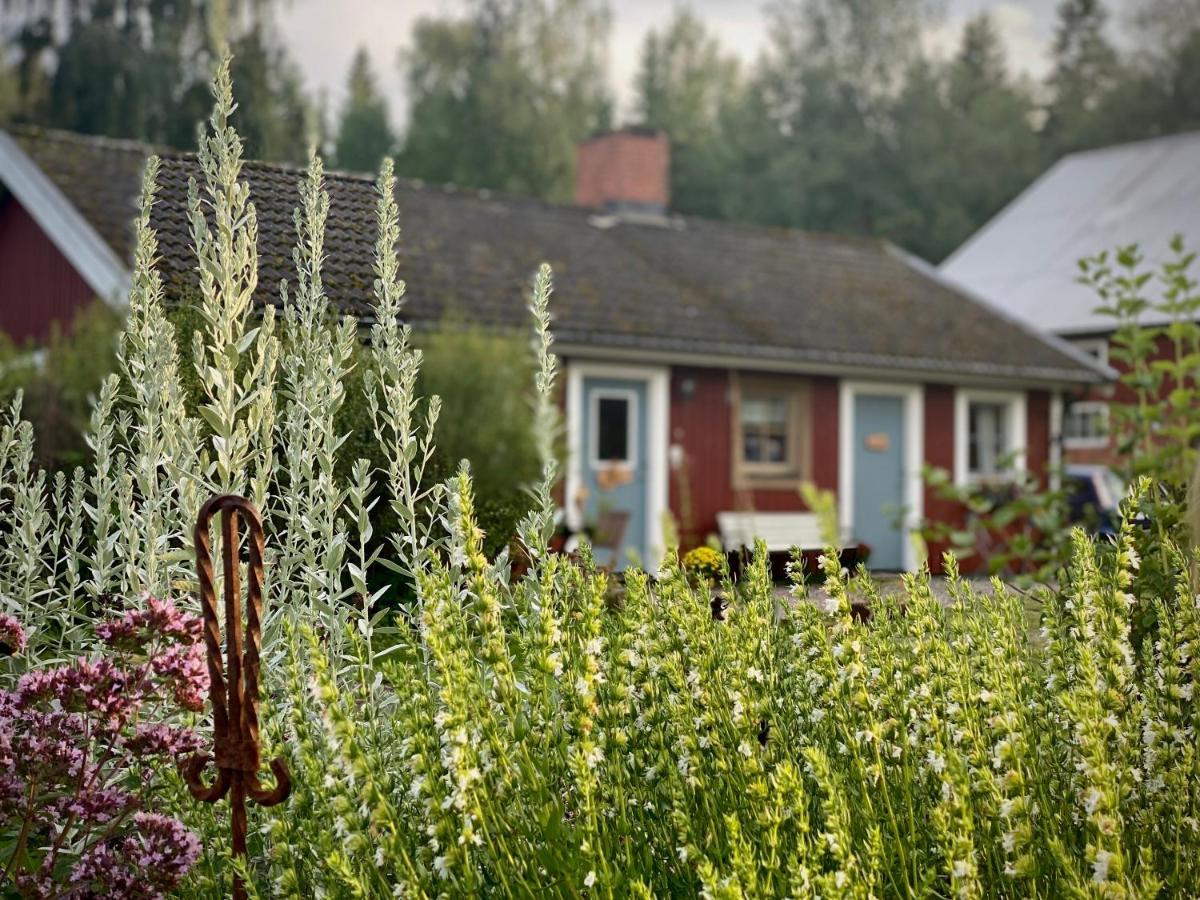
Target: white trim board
x: 658, y: 412
x: 914, y: 456
x: 63, y: 224
x: 1018, y: 417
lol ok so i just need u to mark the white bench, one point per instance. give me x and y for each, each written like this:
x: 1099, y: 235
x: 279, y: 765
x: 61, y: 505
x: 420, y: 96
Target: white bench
x: 780, y: 530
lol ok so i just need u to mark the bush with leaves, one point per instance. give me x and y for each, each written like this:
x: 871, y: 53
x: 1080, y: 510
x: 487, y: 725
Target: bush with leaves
x: 524, y: 737
x: 1019, y: 527
x: 59, y: 381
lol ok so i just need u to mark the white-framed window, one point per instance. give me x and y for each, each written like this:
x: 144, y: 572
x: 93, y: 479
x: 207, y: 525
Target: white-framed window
x: 614, y: 419
x: 770, y: 430
x: 1096, y: 347
x: 989, y: 435
x: 1085, y: 424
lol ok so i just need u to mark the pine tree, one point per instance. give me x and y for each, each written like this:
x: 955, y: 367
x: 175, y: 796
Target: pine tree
x: 139, y: 69
x: 501, y: 96
x: 687, y: 87
x: 364, y: 136
x: 1086, y: 72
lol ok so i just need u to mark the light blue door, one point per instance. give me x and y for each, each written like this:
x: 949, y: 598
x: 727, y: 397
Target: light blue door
x: 879, y: 478
x: 614, y: 466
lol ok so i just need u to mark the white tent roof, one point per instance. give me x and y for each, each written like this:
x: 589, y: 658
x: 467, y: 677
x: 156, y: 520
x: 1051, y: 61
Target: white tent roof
x: 1025, y: 259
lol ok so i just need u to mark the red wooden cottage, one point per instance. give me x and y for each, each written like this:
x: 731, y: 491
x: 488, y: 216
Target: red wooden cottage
x: 710, y: 367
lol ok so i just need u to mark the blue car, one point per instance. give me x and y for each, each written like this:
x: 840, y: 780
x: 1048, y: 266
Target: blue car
x: 1094, y: 495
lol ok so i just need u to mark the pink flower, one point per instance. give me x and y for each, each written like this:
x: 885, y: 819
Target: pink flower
x: 150, y: 861
x: 80, y: 745
x: 160, y: 618
x: 185, y: 667
x: 12, y: 636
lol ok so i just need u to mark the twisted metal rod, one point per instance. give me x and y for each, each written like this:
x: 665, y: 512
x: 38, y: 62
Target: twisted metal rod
x: 237, y: 747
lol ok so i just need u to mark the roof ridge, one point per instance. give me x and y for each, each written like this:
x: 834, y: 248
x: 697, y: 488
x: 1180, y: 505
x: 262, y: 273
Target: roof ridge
x: 1129, y: 145
x: 39, y: 132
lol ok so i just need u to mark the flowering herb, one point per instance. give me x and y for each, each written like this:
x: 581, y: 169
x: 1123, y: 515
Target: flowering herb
x: 12, y: 636
x: 82, y: 750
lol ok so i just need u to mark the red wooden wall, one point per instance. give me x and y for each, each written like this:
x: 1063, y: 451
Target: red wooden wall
x: 38, y: 285
x: 701, y: 423
x: 939, y: 452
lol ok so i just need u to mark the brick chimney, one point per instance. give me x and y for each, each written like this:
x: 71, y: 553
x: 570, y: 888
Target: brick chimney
x: 624, y: 171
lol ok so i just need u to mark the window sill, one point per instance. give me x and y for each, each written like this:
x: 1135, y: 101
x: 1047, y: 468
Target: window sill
x: 766, y: 479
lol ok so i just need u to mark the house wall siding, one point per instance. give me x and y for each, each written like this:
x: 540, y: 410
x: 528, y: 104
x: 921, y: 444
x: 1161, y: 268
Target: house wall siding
x: 939, y: 453
x: 701, y: 483
x: 1118, y: 392
x: 38, y: 286
x: 1037, y: 433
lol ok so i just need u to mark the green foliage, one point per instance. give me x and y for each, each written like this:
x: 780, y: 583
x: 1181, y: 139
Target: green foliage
x: 364, y: 136
x: 1157, y: 428
x: 1085, y: 76
x: 139, y: 69
x: 60, y: 380
x: 529, y: 739
x: 1019, y: 528
x: 687, y: 87
x: 485, y: 383
x: 846, y: 126
x: 500, y: 96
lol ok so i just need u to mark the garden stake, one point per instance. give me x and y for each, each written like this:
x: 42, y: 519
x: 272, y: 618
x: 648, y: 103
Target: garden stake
x: 236, y: 749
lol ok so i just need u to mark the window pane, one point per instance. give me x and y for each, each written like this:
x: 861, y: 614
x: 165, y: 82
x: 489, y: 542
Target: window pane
x: 613, y: 429
x: 764, y: 423
x: 752, y: 446
x: 988, y: 437
x: 767, y: 411
x: 776, y: 448
x: 1086, y: 422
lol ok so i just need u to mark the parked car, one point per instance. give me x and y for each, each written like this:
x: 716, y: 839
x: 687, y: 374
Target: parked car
x: 1094, y: 495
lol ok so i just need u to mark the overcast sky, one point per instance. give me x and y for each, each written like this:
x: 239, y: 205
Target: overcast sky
x: 323, y: 35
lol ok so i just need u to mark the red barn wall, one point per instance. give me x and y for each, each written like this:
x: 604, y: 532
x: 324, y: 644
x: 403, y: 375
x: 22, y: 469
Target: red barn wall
x: 1037, y: 433
x: 38, y: 286
x: 1118, y: 392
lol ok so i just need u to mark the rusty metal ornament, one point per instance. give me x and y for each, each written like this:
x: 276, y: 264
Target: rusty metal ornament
x: 234, y: 694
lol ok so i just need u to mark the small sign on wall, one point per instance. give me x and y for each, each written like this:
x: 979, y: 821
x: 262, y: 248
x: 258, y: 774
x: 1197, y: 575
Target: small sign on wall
x: 878, y: 441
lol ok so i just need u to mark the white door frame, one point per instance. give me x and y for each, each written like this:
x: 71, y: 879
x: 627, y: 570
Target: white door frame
x: 913, y: 396
x: 658, y: 412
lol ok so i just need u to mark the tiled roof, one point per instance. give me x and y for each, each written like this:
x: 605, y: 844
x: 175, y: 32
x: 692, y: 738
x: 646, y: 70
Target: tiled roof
x: 684, y: 285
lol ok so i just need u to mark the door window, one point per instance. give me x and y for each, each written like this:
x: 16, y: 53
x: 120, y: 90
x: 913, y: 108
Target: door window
x: 613, y: 437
